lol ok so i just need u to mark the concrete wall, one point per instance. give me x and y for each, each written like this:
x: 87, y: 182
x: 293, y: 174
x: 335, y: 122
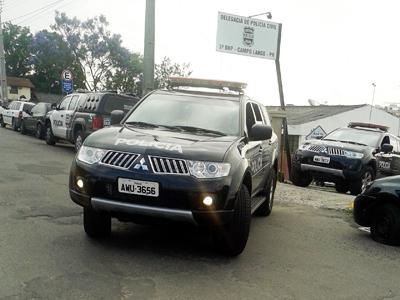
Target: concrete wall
x: 21, y: 91
x: 342, y: 120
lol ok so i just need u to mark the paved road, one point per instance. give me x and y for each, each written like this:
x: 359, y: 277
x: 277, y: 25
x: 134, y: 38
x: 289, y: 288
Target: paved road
x: 299, y: 252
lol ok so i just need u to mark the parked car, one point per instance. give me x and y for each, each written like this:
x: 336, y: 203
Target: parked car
x: 174, y: 158
x: 34, y: 122
x: 80, y: 114
x: 13, y: 115
x: 378, y: 207
x: 346, y: 157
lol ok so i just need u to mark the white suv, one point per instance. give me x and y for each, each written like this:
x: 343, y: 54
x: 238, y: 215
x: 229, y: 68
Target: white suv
x: 14, y: 113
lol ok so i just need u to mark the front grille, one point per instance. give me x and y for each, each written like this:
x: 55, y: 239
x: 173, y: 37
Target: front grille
x: 317, y: 148
x: 164, y: 165
x: 335, y: 151
x: 119, y: 159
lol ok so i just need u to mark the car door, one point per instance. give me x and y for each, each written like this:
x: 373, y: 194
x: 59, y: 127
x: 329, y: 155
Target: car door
x: 58, y: 118
x: 28, y: 120
x: 254, y: 151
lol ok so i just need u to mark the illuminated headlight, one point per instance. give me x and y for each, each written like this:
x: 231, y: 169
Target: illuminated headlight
x: 203, y: 169
x: 352, y: 154
x: 90, y: 155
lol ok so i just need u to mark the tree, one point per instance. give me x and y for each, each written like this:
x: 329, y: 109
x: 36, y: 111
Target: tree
x: 96, y: 50
x: 17, y: 40
x: 50, y: 56
x: 166, y: 69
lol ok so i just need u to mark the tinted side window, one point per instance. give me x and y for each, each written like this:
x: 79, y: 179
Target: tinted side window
x: 27, y: 107
x: 250, y: 120
x: 65, y: 103
x: 116, y: 102
x: 257, y: 113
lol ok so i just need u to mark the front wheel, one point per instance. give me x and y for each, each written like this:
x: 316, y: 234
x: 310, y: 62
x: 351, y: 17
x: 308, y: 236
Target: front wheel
x: 265, y: 209
x: 299, y: 178
x: 231, y: 238
x: 2, y: 122
x: 78, y: 140
x: 358, y: 186
x: 39, y: 131
x: 50, y: 139
x: 385, y: 226
x: 96, y: 224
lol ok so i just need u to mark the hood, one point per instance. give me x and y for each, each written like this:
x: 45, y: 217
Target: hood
x: 340, y: 145
x: 161, y: 143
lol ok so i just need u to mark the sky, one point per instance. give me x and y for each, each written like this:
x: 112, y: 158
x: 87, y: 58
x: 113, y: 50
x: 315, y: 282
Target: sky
x: 331, y: 51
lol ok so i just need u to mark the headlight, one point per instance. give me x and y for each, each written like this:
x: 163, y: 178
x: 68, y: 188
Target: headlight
x: 203, y: 169
x: 90, y: 155
x: 352, y: 154
x: 304, y: 147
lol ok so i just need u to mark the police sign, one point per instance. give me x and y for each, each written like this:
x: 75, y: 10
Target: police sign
x: 247, y: 36
x: 67, y: 83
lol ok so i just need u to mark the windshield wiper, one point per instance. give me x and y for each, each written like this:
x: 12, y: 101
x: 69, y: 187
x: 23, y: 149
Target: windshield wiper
x: 199, y: 130
x: 142, y: 124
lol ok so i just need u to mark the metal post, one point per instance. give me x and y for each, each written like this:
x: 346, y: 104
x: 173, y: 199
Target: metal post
x: 282, y: 101
x: 3, y: 75
x: 372, y: 104
x: 149, y: 36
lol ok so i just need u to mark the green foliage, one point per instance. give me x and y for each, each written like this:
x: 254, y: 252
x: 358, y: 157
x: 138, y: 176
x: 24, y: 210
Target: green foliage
x: 166, y: 69
x: 17, y: 40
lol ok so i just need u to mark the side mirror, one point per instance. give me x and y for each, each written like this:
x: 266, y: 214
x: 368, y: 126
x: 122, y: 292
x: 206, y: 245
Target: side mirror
x: 53, y: 106
x: 116, y: 117
x: 387, y: 148
x: 260, y: 132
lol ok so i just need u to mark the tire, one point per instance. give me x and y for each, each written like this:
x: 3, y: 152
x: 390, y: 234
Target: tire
x: 78, y: 140
x: 39, y: 131
x: 358, y: 186
x: 300, y: 178
x: 265, y: 209
x: 49, y: 137
x: 231, y: 238
x: 2, y: 124
x: 22, y: 128
x: 96, y: 224
x: 341, y: 188
x: 14, y: 124
x: 385, y: 227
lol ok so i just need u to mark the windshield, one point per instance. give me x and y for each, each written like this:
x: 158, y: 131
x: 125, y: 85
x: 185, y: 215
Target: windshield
x: 354, y: 136
x: 192, y: 112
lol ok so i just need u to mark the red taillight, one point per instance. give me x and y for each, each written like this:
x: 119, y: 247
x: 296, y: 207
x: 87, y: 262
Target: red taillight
x: 97, y: 122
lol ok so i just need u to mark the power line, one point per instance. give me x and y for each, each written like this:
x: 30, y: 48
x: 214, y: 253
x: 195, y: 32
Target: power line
x: 37, y: 11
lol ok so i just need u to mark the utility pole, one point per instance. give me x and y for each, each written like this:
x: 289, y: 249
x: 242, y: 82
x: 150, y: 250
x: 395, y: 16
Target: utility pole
x: 372, y: 103
x: 149, y: 36
x: 3, y: 75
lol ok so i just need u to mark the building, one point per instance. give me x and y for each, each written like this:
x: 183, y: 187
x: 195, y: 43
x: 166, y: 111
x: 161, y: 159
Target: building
x: 46, y: 97
x: 307, y: 122
x: 19, y: 88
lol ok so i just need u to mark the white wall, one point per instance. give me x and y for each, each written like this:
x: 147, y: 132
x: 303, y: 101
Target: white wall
x: 342, y: 120
x: 21, y: 91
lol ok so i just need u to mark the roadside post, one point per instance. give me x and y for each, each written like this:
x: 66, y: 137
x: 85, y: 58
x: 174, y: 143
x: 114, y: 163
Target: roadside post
x: 67, y: 82
x: 257, y: 38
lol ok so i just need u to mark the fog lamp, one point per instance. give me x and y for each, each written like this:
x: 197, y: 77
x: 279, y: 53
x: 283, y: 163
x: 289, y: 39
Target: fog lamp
x: 79, y: 183
x: 208, y: 201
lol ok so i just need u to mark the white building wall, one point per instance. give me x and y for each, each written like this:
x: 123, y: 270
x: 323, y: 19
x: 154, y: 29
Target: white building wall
x: 22, y: 91
x: 342, y: 120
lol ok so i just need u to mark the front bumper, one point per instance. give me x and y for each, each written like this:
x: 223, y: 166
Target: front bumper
x: 339, y: 167
x: 180, y: 197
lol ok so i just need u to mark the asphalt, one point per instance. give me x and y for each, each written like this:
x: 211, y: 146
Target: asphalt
x: 300, y: 252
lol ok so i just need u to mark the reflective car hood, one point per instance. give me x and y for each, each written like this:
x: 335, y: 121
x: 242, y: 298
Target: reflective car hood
x: 341, y: 145
x: 161, y: 143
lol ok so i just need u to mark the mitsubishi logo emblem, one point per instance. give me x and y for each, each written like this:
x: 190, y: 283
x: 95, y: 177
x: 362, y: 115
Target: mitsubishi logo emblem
x: 141, y: 165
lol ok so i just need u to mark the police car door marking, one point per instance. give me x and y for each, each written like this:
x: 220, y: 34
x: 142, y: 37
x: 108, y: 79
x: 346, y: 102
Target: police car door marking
x: 383, y: 165
x: 256, y: 163
x: 142, y: 143
x: 57, y: 123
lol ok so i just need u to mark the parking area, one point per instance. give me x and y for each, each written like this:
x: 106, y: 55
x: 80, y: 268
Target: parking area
x: 309, y: 248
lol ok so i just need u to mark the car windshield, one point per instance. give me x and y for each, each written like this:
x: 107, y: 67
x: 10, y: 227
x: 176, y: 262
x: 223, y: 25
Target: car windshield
x: 188, y: 113
x: 354, y: 136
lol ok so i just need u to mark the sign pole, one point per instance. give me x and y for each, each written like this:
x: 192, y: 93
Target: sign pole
x: 282, y: 100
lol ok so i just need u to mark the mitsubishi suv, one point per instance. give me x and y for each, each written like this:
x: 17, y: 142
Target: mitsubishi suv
x: 346, y: 157
x: 199, y: 152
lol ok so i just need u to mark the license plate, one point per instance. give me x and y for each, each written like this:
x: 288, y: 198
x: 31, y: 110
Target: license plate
x: 322, y: 159
x: 106, y: 122
x: 138, y: 187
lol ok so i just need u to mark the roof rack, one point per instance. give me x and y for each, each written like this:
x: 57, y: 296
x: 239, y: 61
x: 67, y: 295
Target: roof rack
x: 368, y: 125
x: 175, y: 82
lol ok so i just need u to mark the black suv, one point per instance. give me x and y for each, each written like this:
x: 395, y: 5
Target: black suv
x: 80, y: 114
x: 346, y: 157
x: 184, y: 154
x: 34, y: 120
